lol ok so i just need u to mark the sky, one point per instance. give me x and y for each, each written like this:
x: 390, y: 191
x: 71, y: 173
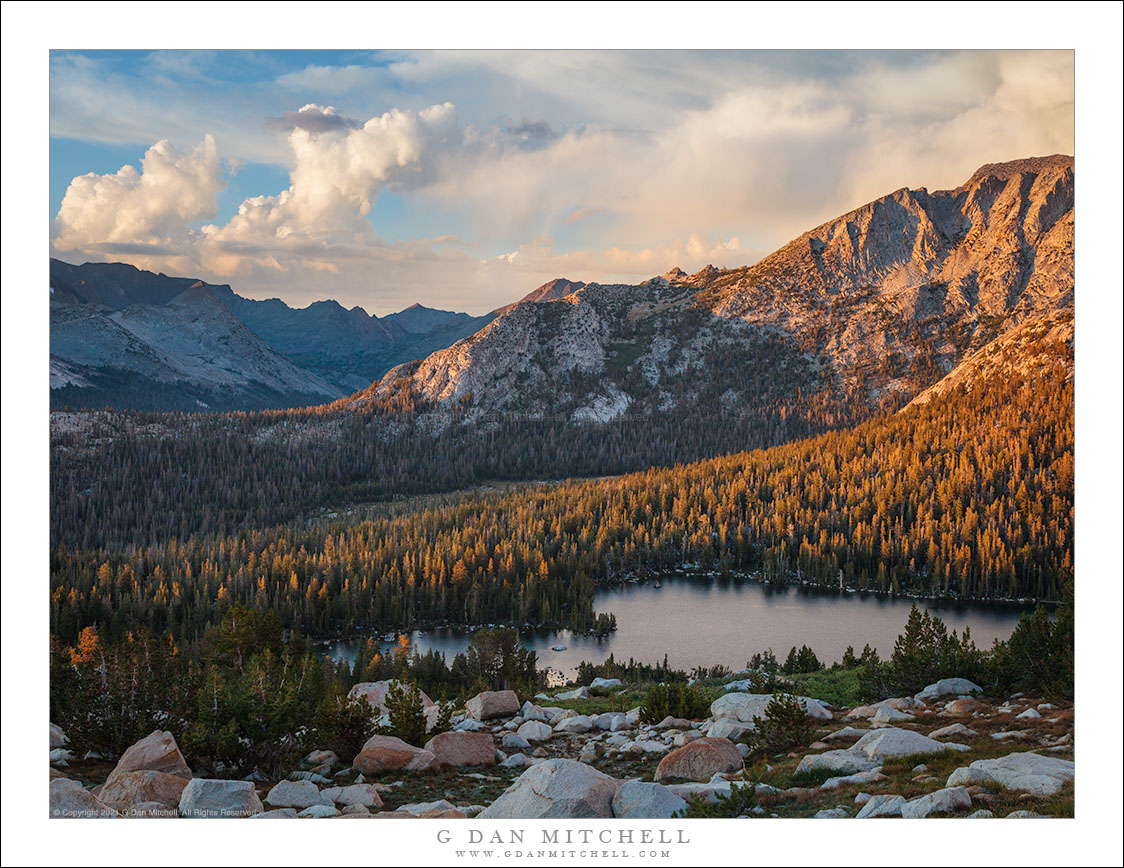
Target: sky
x: 464, y: 179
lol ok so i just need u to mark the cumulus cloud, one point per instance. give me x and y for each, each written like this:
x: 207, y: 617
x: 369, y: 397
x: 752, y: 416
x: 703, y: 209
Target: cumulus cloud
x: 311, y: 118
x: 687, y: 162
x: 146, y: 209
x: 337, y: 177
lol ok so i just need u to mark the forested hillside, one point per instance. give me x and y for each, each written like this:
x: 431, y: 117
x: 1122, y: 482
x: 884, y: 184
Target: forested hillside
x: 969, y: 494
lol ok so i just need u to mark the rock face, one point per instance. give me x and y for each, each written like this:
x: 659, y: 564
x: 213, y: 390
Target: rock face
x: 297, y: 794
x: 157, y: 752
x: 700, y: 760
x: 384, y: 752
x: 1024, y: 772
x: 71, y: 801
x: 947, y: 801
x: 636, y: 800
x: 493, y: 703
x: 556, y: 789
x: 123, y: 789
x: 745, y: 706
x: 375, y: 693
x: 459, y: 749
x: 948, y: 687
x: 215, y: 799
x: 900, y: 274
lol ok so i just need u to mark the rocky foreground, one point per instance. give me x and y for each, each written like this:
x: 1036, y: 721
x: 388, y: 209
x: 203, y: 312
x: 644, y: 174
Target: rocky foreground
x: 943, y: 752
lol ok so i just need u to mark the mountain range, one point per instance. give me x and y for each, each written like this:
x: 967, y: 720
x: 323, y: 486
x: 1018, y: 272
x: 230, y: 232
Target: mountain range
x: 879, y: 304
x: 870, y: 309
x: 132, y: 339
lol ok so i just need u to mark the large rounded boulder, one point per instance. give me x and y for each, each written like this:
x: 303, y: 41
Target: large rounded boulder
x: 700, y: 760
x: 386, y: 753
x: 492, y: 704
x: 460, y: 749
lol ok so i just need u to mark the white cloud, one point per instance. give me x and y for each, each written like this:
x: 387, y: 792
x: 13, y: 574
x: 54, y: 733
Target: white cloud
x: 686, y: 160
x: 151, y: 207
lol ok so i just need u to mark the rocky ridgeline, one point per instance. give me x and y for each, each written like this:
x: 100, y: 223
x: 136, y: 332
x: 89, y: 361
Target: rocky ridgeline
x: 558, y: 762
x: 884, y: 295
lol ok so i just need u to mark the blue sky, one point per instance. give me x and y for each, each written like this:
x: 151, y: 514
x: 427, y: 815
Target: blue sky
x: 464, y: 179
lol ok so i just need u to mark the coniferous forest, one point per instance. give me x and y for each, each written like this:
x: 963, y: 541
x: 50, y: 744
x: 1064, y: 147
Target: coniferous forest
x: 968, y: 495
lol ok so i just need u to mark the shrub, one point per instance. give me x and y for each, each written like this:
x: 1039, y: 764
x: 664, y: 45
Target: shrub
x: 804, y: 660
x: 345, y: 723
x: 785, y: 726
x: 407, y: 713
x: 741, y: 799
x: 924, y: 653
x: 673, y: 700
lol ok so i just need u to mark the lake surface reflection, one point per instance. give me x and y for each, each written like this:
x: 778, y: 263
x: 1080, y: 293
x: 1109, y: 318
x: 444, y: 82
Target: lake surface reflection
x: 703, y: 622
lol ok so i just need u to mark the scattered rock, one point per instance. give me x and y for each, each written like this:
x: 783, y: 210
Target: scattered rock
x: 832, y: 814
x: 882, y: 805
x: 953, y: 729
x: 319, y: 812
x: 123, y: 789
x: 276, y: 814
x: 700, y: 760
x: 157, y: 752
x: 1029, y: 714
x: 869, y: 777
x: 846, y: 735
x: 535, y: 731
x: 492, y: 704
x: 605, y: 683
x: 203, y: 798
x: 515, y: 761
x: 556, y: 788
x: 746, y: 706
x: 419, y: 808
x: 460, y: 749
x: 947, y: 801
x: 1025, y: 772
x: 1024, y: 815
x: 843, y: 762
x: 636, y: 800
x: 963, y: 707
x: 982, y: 814
x: 576, y: 693
x: 297, y: 794
x: 578, y: 723
x: 514, y: 741
x: 71, y: 801
x: 357, y: 794
x: 893, y: 742
x: 728, y: 727
x: 322, y: 757
x: 947, y: 687
x: 58, y: 737
x: 890, y: 715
